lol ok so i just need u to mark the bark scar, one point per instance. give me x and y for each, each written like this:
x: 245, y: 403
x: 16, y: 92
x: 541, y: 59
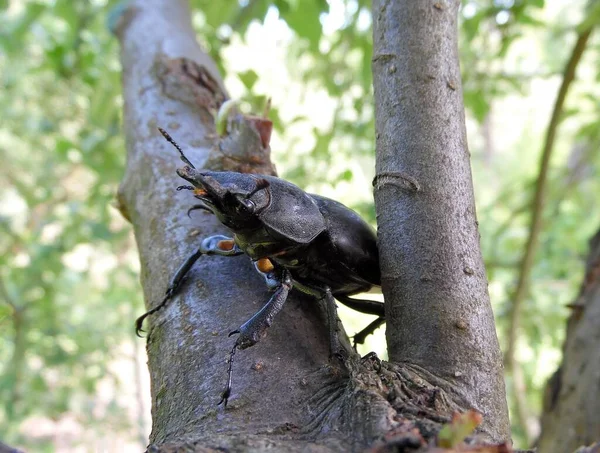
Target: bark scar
x: 398, y: 179
x: 242, y: 148
x: 185, y: 80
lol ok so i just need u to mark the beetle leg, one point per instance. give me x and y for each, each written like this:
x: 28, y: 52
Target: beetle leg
x: 264, y: 267
x: 212, y: 245
x: 332, y: 322
x: 335, y: 347
x: 253, y: 329
x: 370, y: 307
x: 359, y: 338
x: 199, y: 207
x: 227, y: 392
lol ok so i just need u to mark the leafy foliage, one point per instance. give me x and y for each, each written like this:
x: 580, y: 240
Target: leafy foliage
x: 65, y: 263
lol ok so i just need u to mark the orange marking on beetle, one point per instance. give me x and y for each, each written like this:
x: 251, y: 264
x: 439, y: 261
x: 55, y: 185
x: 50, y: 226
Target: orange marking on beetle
x: 264, y: 265
x: 200, y: 192
x: 226, y: 245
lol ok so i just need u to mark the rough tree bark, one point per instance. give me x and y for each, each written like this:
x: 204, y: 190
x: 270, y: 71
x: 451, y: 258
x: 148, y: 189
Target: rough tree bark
x: 287, y: 395
x: 440, y: 322
x: 169, y: 81
x: 571, y: 416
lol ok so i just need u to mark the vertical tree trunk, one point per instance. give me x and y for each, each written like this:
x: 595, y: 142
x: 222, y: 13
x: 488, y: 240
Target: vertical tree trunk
x: 440, y: 322
x: 168, y: 81
x: 571, y: 416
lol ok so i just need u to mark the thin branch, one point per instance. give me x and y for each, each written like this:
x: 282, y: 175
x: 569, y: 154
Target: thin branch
x: 537, y: 206
x: 6, y: 296
x: 575, y: 175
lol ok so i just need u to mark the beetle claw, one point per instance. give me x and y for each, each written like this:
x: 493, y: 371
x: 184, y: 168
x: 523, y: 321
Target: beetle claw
x: 198, y: 207
x: 138, y: 325
x: 224, y: 397
x: 233, y: 332
x: 227, y: 392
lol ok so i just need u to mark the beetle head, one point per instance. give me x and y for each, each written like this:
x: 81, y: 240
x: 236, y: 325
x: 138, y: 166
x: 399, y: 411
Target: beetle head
x: 236, y: 199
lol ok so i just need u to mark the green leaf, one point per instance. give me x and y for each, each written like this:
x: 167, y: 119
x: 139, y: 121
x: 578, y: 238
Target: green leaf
x: 475, y: 101
x: 5, y: 311
x: 255, y: 10
x: 304, y: 19
x: 346, y: 175
x: 461, y: 426
x: 66, y: 10
x: 592, y: 17
x: 283, y: 6
x: 248, y: 78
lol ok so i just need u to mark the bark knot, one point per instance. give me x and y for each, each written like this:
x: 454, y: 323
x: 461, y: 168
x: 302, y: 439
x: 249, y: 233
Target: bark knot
x: 185, y: 80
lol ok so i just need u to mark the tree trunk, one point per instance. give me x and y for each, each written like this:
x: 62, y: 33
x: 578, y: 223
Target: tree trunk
x: 287, y: 394
x: 169, y: 82
x: 440, y: 321
x: 571, y: 416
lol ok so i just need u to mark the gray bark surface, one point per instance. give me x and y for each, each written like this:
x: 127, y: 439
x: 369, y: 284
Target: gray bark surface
x: 188, y: 344
x: 440, y: 321
x: 571, y: 416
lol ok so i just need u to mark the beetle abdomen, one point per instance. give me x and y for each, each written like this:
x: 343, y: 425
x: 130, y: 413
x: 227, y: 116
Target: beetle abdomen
x: 354, y: 240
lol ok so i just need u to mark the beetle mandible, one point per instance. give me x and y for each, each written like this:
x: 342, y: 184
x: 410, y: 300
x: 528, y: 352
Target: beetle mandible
x: 295, y: 239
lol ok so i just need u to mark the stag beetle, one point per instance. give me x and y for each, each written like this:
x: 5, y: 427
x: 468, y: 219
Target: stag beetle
x: 295, y: 239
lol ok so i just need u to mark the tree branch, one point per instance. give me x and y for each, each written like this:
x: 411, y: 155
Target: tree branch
x: 571, y: 416
x: 536, y: 225
x: 437, y: 306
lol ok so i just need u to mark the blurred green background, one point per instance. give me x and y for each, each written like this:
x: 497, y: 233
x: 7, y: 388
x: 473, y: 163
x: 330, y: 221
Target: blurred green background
x: 72, y: 374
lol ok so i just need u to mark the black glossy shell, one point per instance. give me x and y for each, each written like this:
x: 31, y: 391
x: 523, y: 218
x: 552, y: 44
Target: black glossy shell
x: 292, y: 214
x: 353, y: 239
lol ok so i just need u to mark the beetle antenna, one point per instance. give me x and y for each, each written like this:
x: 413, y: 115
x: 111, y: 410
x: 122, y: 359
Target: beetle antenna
x: 177, y: 147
